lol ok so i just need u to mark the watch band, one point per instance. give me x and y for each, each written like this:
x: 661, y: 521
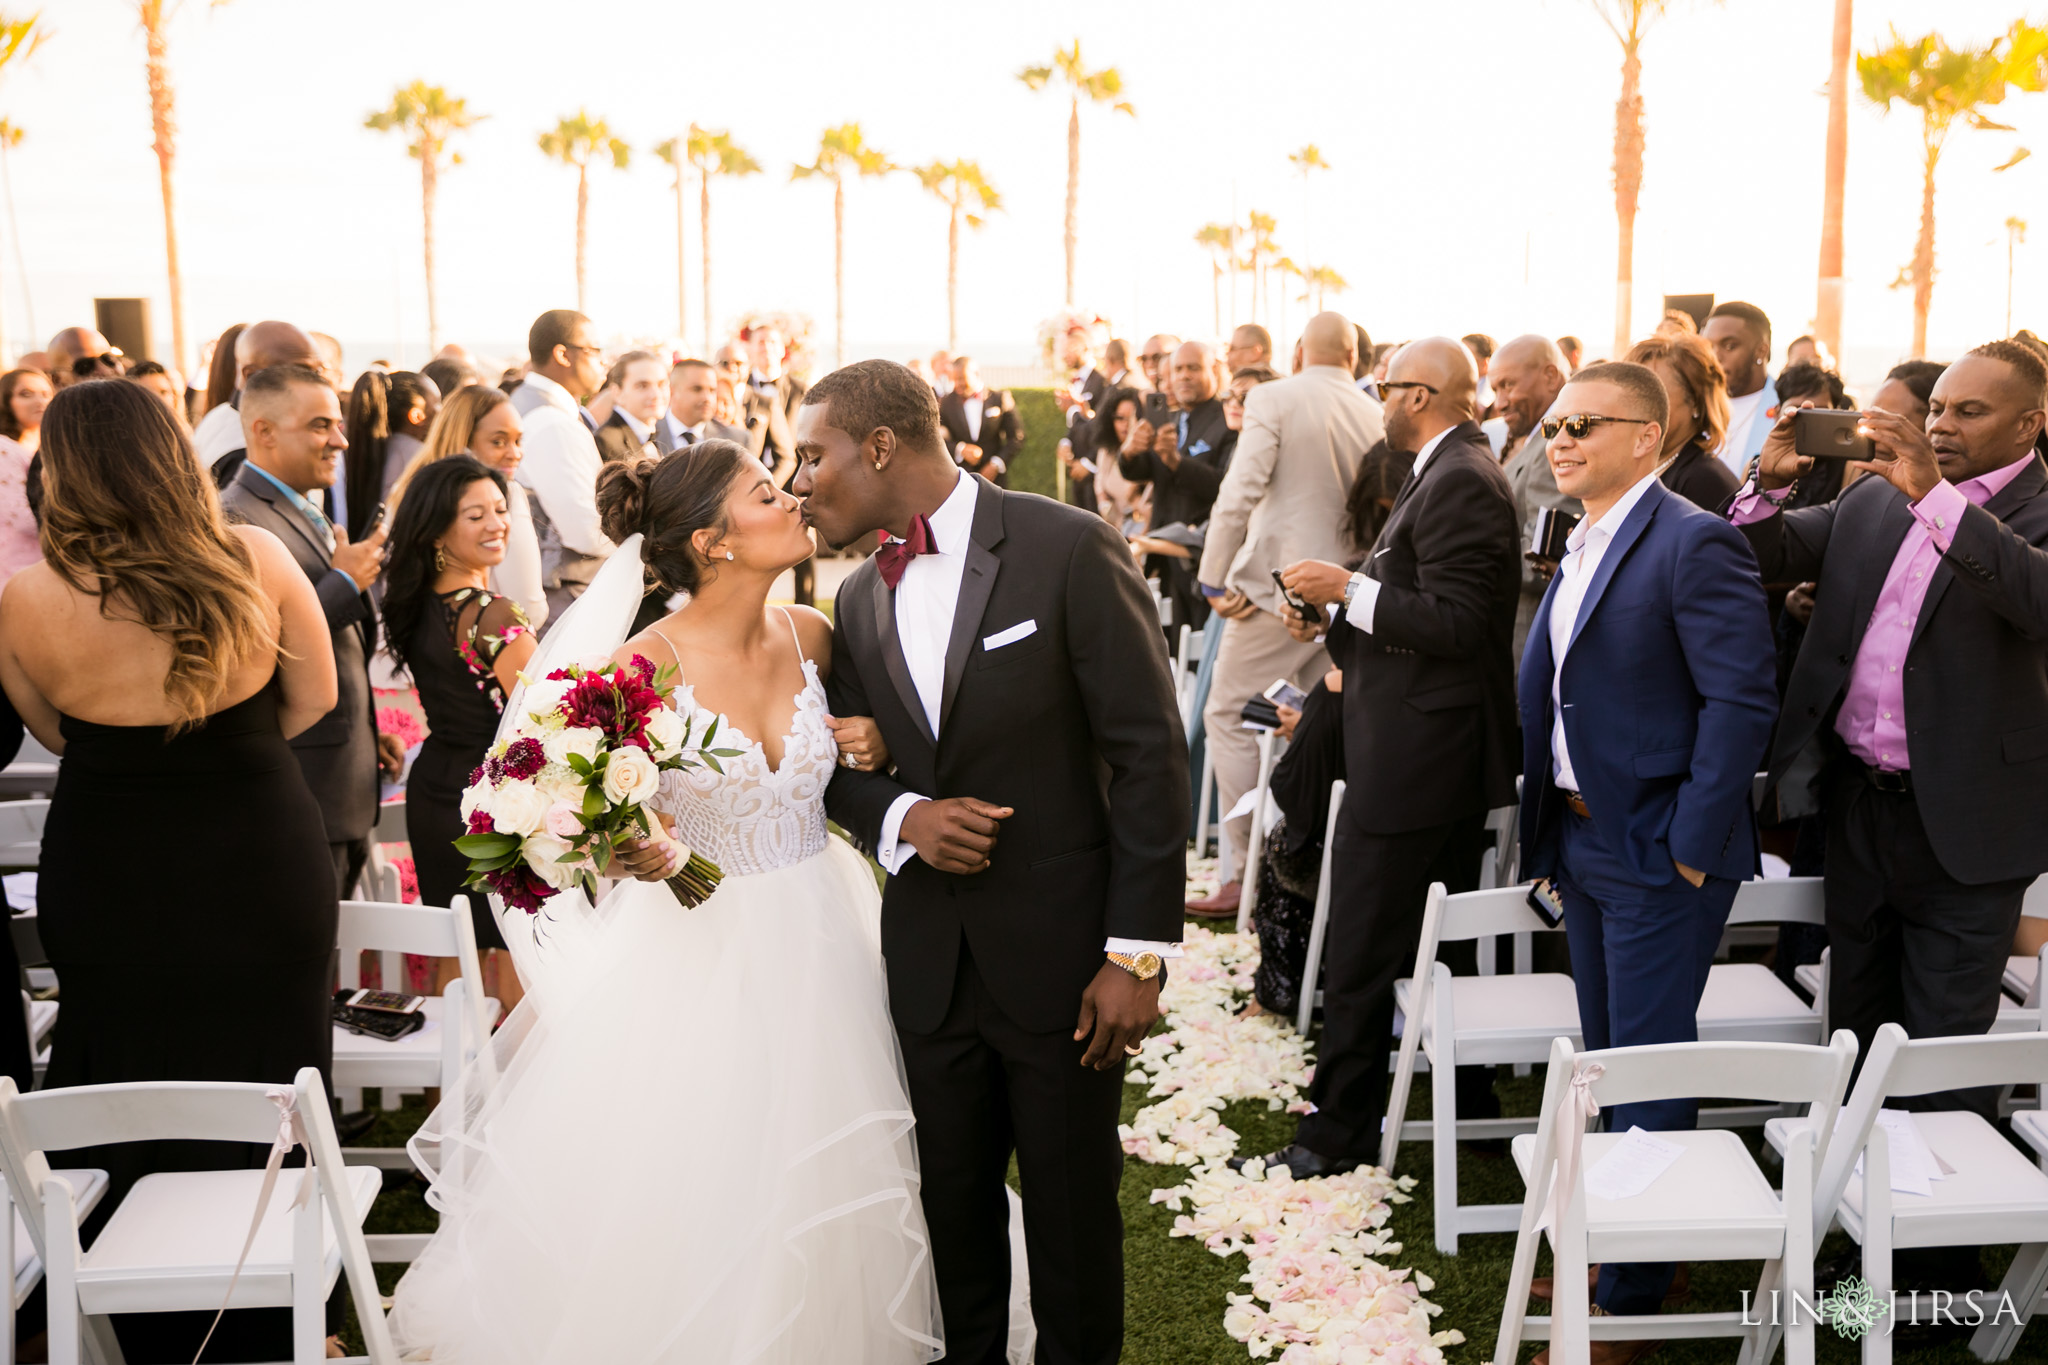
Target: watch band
x: 1144, y: 966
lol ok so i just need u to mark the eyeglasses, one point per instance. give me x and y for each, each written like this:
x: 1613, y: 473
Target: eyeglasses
x: 1386, y: 384
x: 733, y: 364
x: 1152, y: 358
x: 90, y: 364
x: 1231, y: 397
x: 1580, y: 425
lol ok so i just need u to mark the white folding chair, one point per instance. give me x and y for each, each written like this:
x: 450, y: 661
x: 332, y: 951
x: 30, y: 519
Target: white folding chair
x: 173, y: 1243
x: 2022, y: 974
x: 1205, y: 807
x: 1497, y: 867
x: 1248, y: 896
x: 1319, y: 923
x: 21, y: 832
x: 20, y: 1249
x: 1988, y: 1192
x: 1745, y: 1001
x: 1712, y: 1204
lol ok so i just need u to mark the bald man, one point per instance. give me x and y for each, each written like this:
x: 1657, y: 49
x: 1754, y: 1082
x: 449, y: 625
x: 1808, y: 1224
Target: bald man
x: 1183, y: 455
x: 1528, y: 374
x: 1282, y: 501
x: 1431, y: 740
x: 72, y: 345
x: 260, y: 346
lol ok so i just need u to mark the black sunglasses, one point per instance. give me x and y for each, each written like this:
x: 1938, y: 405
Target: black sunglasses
x: 1386, y: 384
x: 87, y: 364
x: 1580, y: 425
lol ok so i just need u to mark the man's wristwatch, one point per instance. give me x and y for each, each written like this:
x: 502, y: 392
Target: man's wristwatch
x: 1351, y: 588
x: 1144, y: 966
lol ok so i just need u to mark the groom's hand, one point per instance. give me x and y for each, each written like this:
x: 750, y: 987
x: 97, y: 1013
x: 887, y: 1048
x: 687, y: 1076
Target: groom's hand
x: 955, y: 834
x: 1119, y: 1010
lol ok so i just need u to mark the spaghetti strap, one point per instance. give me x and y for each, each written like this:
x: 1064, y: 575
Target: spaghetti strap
x: 791, y: 620
x: 673, y: 651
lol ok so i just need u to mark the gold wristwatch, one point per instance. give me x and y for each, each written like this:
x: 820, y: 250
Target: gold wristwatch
x: 1144, y: 966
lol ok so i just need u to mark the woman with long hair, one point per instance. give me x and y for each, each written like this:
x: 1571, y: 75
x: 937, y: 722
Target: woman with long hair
x: 24, y: 394
x: 165, y: 384
x: 1123, y: 504
x: 223, y: 373
x: 1698, y: 394
x: 387, y: 421
x: 464, y: 646
x: 168, y: 655
x: 481, y: 422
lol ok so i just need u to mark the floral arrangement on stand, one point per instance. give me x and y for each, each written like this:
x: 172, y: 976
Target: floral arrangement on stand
x: 1320, y: 1295
x: 796, y: 328
x: 1063, y: 324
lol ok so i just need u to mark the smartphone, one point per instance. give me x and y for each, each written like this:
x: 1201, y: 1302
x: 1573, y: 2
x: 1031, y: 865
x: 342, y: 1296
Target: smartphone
x: 1548, y: 905
x: 377, y: 517
x: 1295, y: 600
x: 386, y: 1002
x: 1830, y: 434
x: 1285, y: 693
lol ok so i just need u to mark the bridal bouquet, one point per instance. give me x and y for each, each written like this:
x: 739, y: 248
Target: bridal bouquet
x: 557, y: 797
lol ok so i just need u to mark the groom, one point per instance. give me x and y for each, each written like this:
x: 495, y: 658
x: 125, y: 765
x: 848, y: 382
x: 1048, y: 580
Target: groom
x: 1008, y: 650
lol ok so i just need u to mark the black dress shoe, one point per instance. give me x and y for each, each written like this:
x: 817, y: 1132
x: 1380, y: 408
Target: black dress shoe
x: 349, y: 1127
x: 1300, y: 1162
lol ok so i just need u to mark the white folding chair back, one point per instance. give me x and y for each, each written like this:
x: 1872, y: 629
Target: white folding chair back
x: 1712, y: 1203
x: 458, y: 1022
x: 173, y: 1243
x: 1745, y: 1001
x: 1319, y: 922
x: 21, y: 832
x: 1254, y: 849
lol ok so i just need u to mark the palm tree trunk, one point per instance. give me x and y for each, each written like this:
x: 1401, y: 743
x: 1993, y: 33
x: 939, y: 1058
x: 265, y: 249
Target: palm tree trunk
x: 838, y: 271
x: 161, y: 104
x: 582, y: 228
x: 1923, y: 252
x: 682, y: 280
x: 704, y: 249
x: 429, y: 154
x: 1215, y: 297
x: 1628, y: 185
x: 1073, y: 189
x: 1827, y: 307
x: 953, y: 280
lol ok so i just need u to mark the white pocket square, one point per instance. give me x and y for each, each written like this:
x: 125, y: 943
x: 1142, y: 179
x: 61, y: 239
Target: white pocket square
x: 1010, y: 636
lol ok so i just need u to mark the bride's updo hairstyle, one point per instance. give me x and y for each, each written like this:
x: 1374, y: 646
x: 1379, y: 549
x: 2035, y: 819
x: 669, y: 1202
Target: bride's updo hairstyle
x: 668, y: 499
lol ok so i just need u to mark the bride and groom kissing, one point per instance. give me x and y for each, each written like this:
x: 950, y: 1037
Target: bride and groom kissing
x: 806, y: 1109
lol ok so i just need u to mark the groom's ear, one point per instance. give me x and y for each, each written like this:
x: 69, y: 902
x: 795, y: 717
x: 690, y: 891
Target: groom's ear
x: 879, y: 446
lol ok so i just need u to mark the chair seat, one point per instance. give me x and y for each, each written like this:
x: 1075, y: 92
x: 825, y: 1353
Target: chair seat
x: 1508, y: 1018
x: 2013, y: 1017
x: 1808, y: 976
x: 414, y: 1060
x: 173, y: 1242
x: 1745, y: 1002
x: 1712, y: 1204
x: 1994, y: 1195
x: 2019, y: 976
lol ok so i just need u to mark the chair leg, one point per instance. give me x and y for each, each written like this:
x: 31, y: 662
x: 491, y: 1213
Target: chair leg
x: 1443, y: 1095
x: 1761, y: 1341
x: 1508, y: 1345
x: 2024, y: 1283
x: 102, y: 1346
x: 60, y: 1272
x: 1877, y: 1273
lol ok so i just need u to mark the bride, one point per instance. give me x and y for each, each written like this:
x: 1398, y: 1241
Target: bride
x: 692, y: 1141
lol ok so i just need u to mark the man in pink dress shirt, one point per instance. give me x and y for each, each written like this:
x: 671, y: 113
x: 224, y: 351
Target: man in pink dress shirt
x: 1924, y: 679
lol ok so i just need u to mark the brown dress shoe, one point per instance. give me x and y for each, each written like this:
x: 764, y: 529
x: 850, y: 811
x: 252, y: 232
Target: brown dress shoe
x: 1542, y: 1287
x: 1222, y: 905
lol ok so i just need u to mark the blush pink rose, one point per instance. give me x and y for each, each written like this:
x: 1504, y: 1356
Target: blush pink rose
x: 563, y: 821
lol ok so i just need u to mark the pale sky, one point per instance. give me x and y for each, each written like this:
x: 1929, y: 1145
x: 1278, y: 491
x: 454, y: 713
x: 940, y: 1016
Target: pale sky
x: 1471, y: 141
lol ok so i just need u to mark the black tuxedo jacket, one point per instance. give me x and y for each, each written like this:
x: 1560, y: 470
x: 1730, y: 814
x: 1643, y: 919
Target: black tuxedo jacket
x: 771, y: 420
x: 1976, y: 671
x: 1698, y: 476
x: 616, y: 442
x: 1430, y: 732
x: 1000, y: 438
x: 1066, y: 723
x: 1186, y: 493
x: 338, y: 754
x: 1095, y: 387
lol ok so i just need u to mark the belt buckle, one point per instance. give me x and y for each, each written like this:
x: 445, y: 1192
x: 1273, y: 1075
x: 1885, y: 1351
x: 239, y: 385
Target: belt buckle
x: 1892, y: 782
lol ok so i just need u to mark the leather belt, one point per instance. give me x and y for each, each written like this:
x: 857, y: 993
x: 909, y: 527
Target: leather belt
x: 1897, y: 783
x: 1576, y: 804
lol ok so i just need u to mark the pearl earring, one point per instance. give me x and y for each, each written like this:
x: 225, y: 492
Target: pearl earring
x: 728, y: 554
x: 878, y: 465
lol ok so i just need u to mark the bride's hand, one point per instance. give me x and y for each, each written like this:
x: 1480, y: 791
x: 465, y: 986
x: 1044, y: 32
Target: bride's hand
x: 861, y: 746
x: 654, y: 859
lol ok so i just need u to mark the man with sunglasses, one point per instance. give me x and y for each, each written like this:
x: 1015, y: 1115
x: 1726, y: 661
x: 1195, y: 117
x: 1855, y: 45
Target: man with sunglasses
x: 79, y: 353
x: 1647, y: 696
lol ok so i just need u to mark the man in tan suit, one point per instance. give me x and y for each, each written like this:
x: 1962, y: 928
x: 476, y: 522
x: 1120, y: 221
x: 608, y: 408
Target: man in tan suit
x: 1528, y: 374
x: 1281, y: 502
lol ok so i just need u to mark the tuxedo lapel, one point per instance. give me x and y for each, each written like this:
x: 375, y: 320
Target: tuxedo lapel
x: 977, y: 581
x: 883, y: 601
x: 1625, y: 539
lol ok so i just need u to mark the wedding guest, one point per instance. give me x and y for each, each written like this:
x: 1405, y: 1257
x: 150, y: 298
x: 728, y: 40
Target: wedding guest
x: 692, y: 394
x: 481, y: 423
x: 165, y: 384
x: 980, y: 425
x: 1528, y: 374
x: 562, y: 458
x: 639, y: 383
x: 941, y: 372
x: 76, y: 344
x: 222, y: 377
x: 167, y: 656
x: 1676, y: 322
x: 24, y: 394
x: 1740, y: 334
x: 1481, y: 346
x: 1810, y: 383
x: 781, y: 393
x: 450, y: 373
x: 1809, y: 350
x: 463, y: 646
x: 1125, y: 505
x: 388, y: 418
x: 292, y: 419
x: 1184, y: 458
x: 1697, y: 404
x: 767, y: 428
x: 1155, y: 362
x: 332, y: 365
x: 1250, y: 345
x: 1291, y: 858
x: 1574, y: 351
x: 218, y: 437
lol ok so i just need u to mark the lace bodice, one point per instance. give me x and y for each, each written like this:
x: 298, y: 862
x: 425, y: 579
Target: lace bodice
x: 754, y: 818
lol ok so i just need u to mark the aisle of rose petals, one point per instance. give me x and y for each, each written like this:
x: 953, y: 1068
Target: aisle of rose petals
x: 1318, y: 1294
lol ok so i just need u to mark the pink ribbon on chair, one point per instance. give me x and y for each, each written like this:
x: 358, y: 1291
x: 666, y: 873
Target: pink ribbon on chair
x: 1577, y: 1106
x: 291, y: 1132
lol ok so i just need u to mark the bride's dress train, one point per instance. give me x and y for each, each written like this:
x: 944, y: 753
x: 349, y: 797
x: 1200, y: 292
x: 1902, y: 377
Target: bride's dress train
x: 693, y: 1142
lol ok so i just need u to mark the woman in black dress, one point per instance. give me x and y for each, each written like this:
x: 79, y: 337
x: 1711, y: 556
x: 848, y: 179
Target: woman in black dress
x: 464, y: 647
x: 1291, y: 861
x: 185, y: 890
x: 1699, y: 417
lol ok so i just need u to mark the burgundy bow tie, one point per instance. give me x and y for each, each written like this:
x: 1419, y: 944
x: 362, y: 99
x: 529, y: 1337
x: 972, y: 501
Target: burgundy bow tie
x: 895, y: 555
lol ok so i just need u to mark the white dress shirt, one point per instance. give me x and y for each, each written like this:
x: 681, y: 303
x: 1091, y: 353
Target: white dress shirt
x: 219, y: 432
x: 518, y: 575
x: 1742, y: 414
x: 971, y: 408
x: 641, y: 431
x: 1584, y: 549
x: 561, y: 467
x: 1367, y: 598
x: 925, y: 600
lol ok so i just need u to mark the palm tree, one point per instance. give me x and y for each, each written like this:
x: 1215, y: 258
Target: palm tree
x: 677, y: 160
x: 1322, y: 281
x: 1947, y: 85
x: 155, y: 15
x: 577, y: 142
x: 1827, y: 307
x: 2015, y: 233
x: 1220, y: 240
x: 842, y: 151
x: 1260, y: 249
x: 1307, y: 161
x: 427, y: 114
x: 19, y: 38
x: 1101, y: 87
x: 10, y: 138
x: 967, y: 196
x: 713, y: 154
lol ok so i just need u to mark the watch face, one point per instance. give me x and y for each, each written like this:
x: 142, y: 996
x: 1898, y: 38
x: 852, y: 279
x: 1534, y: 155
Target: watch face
x: 1147, y: 965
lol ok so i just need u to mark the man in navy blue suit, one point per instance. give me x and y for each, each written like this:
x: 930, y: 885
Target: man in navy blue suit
x: 1647, y: 697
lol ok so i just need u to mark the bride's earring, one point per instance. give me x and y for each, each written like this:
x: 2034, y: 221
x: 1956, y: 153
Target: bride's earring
x: 440, y: 559
x: 728, y: 554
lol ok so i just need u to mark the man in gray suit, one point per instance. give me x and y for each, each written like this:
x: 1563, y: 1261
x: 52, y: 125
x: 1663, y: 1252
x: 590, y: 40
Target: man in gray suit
x: 1527, y: 374
x: 292, y: 425
x: 692, y: 391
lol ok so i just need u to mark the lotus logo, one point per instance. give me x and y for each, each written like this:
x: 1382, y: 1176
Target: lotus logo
x: 1854, y: 1308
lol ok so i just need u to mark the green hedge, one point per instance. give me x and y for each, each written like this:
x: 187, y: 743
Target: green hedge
x: 1033, y: 471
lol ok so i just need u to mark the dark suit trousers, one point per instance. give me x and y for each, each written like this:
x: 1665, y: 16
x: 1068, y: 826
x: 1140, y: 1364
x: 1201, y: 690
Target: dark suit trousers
x: 350, y: 857
x: 1640, y: 956
x: 1910, y: 944
x: 981, y: 1086
x: 1379, y: 884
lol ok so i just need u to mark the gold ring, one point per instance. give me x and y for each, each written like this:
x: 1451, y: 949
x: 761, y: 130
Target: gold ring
x: 1133, y: 1051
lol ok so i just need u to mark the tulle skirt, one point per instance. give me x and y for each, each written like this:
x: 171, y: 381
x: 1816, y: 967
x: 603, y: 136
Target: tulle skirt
x: 693, y: 1143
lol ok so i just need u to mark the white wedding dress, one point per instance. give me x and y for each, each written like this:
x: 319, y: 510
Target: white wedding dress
x: 692, y: 1142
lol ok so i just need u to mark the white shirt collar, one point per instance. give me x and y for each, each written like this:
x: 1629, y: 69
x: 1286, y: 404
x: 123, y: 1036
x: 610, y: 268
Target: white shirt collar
x: 555, y: 394
x: 1429, y: 449
x: 953, y: 524
x: 633, y: 424
x: 1611, y: 521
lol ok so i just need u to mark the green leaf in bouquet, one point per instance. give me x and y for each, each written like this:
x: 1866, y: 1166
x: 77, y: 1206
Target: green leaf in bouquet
x: 601, y: 856
x: 710, y: 731
x: 486, y: 845
x: 579, y: 765
x: 711, y: 762
x: 593, y: 802
x: 572, y: 856
x: 497, y: 864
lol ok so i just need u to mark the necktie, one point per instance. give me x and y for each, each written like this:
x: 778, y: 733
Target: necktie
x: 895, y: 555
x: 1183, y: 441
x: 689, y: 437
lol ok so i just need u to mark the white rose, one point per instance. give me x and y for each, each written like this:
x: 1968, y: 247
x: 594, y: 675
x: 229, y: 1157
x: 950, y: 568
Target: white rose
x: 543, y: 853
x: 474, y: 799
x: 543, y: 695
x: 581, y: 740
x: 559, y: 782
x: 665, y: 730
x: 517, y: 807
x: 630, y: 777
